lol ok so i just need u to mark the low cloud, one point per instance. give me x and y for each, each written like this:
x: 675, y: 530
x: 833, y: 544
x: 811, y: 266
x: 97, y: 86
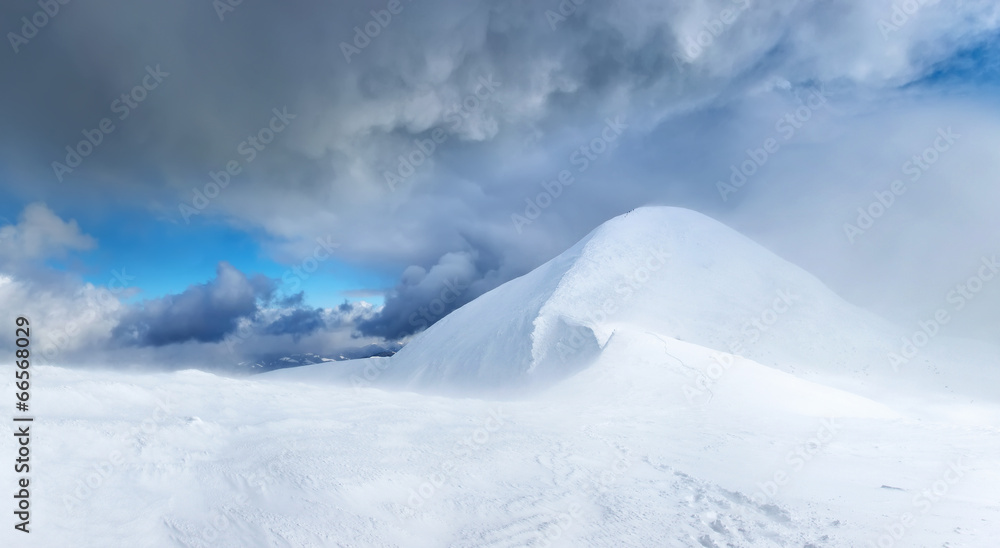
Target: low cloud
x: 425, y: 296
x: 204, y: 312
x: 297, y: 323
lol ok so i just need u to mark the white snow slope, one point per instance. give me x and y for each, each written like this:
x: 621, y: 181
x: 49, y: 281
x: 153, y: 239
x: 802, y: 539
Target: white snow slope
x: 596, y: 401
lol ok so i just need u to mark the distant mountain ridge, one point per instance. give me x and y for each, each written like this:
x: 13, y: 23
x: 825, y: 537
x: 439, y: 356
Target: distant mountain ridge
x: 272, y: 362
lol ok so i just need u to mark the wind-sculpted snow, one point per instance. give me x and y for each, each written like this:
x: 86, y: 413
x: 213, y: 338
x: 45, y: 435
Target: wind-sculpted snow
x: 681, y: 274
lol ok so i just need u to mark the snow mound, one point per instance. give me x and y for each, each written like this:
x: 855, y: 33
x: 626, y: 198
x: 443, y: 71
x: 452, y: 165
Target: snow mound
x: 667, y: 270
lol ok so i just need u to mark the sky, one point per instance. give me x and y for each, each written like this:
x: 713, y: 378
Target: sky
x: 196, y: 183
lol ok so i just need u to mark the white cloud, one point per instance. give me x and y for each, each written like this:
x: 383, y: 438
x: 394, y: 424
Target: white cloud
x: 65, y: 320
x: 41, y: 234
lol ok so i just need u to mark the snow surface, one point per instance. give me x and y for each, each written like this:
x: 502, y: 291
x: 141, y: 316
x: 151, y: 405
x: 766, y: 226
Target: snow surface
x: 530, y: 418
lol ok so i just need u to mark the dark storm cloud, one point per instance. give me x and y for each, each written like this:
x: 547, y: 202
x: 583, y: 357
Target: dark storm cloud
x: 205, y: 312
x: 425, y: 296
x: 178, y: 109
x: 297, y: 323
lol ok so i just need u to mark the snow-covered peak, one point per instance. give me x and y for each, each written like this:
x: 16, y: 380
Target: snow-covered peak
x: 667, y: 270
x: 677, y: 275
